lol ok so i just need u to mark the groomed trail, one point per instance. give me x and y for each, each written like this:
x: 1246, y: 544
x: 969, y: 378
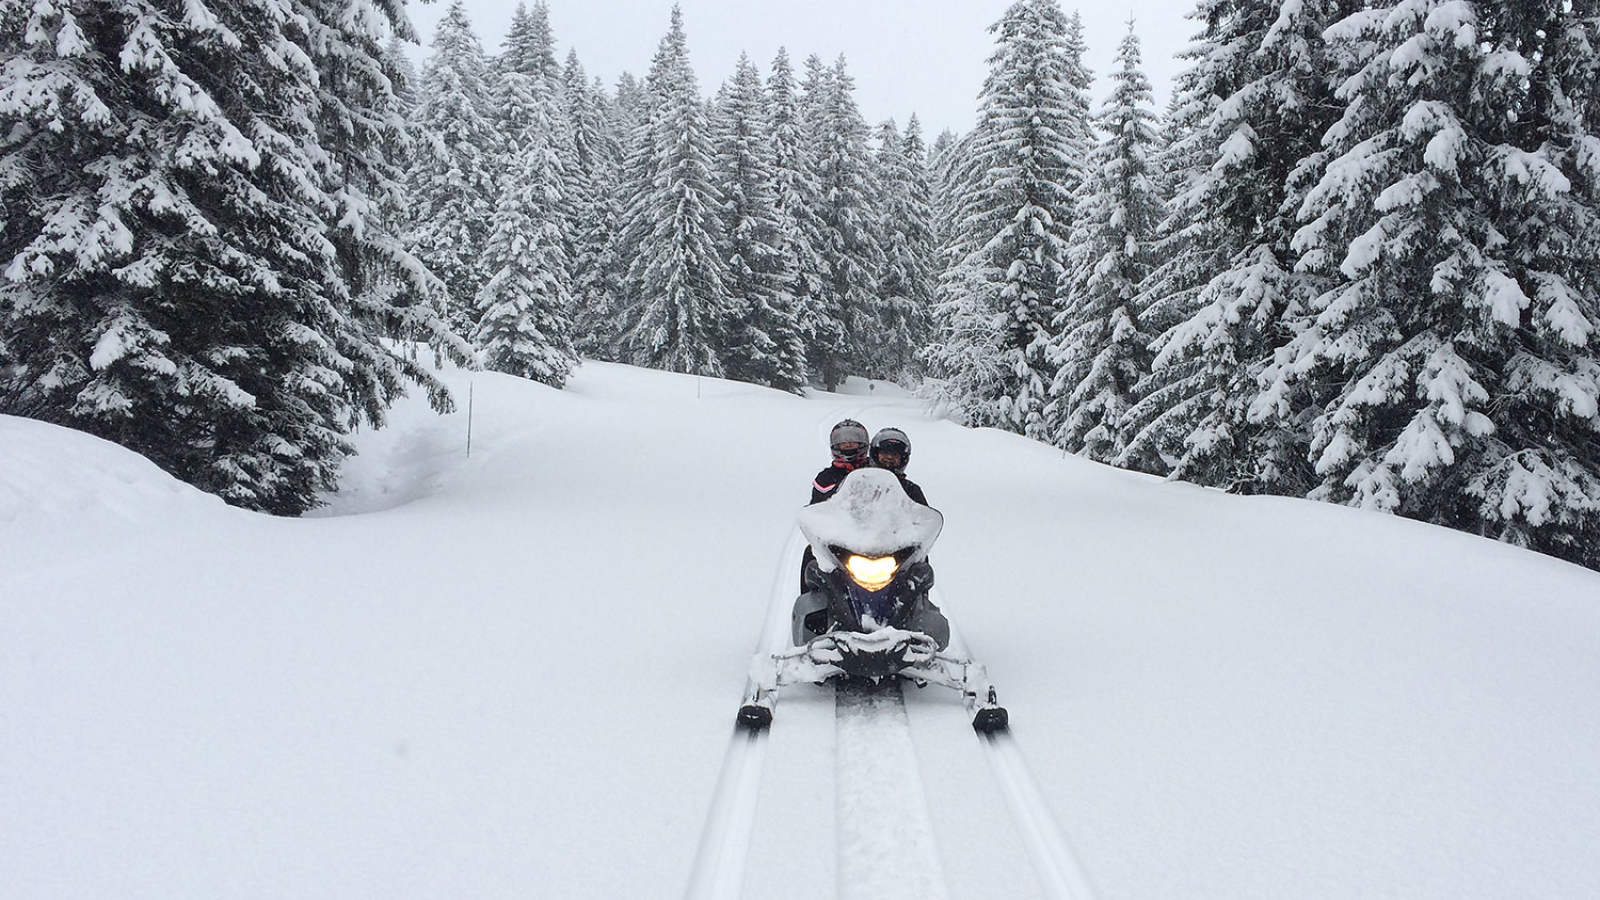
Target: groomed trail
x: 515, y: 674
x: 899, y: 805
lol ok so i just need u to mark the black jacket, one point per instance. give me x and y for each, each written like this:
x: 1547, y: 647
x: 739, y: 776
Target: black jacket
x: 828, y: 479
x: 911, y: 489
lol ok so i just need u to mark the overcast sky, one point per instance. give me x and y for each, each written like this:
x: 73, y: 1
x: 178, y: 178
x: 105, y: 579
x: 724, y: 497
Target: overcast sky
x: 907, y: 56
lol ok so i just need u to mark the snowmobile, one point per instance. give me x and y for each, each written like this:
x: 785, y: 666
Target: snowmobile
x: 866, y: 617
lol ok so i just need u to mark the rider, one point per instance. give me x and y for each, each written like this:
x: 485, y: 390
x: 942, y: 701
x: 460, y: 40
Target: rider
x: 848, y: 443
x: 891, y: 449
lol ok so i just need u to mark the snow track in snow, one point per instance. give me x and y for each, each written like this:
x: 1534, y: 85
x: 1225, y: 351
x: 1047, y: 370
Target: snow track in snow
x: 1060, y: 875
x: 1053, y: 860
x: 719, y: 866
x: 885, y: 833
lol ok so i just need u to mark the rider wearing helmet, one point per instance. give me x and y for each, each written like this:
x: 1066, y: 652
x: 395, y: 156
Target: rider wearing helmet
x: 891, y: 449
x: 848, y: 441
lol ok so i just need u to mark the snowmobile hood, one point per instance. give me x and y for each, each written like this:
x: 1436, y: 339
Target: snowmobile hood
x: 869, y: 514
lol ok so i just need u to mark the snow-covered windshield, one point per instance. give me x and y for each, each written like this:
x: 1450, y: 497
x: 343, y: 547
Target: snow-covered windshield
x: 871, y: 515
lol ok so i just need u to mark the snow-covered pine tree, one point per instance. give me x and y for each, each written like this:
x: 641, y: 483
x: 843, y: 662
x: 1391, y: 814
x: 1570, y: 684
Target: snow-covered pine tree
x: 182, y: 268
x: 960, y: 358
x: 921, y: 242
x: 905, y: 284
x: 397, y: 60
x: 597, y: 214
x: 942, y: 163
x: 1101, y: 351
x: 847, y: 219
x: 451, y: 183
x: 628, y: 110
x: 764, y: 345
x: 1014, y: 226
x: 523, y: 327
x: 380, y: 286
x: 1078, y: 118
x: 1458, y: 215
x: 530, y: 46
x: 794, y: 205
x: 677, y: 305
x: 1257, y: 102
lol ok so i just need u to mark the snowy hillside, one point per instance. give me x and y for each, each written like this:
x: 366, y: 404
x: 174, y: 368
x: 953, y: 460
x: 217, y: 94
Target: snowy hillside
x: 514, y: 674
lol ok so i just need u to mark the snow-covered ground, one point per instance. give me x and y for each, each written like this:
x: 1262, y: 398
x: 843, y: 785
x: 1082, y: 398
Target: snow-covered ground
x: 514, y: 674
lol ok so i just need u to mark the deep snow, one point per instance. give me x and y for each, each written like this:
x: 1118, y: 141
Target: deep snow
x: 514, y: 674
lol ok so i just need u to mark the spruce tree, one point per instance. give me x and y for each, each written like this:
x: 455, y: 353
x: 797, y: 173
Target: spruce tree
x: 380, y: 286
x: 677, y: 302
x: 523, y: 326
x: 1101, y: 349
x: 905, y: 285
x: 847, y: 237
x: 921, y: 248
x: 764, y: 345
x: 1457, y: 218
x: 185, y: 266
x: 1026, y: 155
x: 597, y: 273
x: 530, y: 46
x: 451, y: 183
x: 1258, y: 100
x: 795, y: 192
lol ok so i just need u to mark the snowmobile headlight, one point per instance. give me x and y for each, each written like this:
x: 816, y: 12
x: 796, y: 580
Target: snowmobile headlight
x: 872, y: 572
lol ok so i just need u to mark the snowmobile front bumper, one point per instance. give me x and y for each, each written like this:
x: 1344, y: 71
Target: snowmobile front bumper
x: 872, y: 656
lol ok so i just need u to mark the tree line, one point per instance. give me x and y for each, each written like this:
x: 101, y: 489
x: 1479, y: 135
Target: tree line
x: 1353, y: 259
x: 767, y: 235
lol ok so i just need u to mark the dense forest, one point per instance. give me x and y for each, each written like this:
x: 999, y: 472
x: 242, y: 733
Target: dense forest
x: 1356, y: 258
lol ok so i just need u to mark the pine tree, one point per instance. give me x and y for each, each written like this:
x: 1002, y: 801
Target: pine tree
x: 1259, y: 99
x: 795, y: 194
x: 1026, y: 155
x: 382, y: 289
x: 530, y: 46
x: 764, y: 345
x: 1457, y: 215
x: 1077, y: 119
x: 597, y: 273
x: 523, y: 326
x: 905, y: 286
x: 847, y: 238
x: 1101, y: 349
x: 921, y: 242
x: 943, y: 161
x: 185, y: 270
x: 677, y: 302
x: 452, y: 185
x: 398, y: 61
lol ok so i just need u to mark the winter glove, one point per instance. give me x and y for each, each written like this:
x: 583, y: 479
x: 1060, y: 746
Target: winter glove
x: 918, y: 578
x: 813, y: 577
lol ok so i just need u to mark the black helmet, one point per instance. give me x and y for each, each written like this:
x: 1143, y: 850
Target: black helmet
x: 895, y: 441
x: 849, y: 431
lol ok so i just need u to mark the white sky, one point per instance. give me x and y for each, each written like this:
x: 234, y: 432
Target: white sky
x: 922, y: 56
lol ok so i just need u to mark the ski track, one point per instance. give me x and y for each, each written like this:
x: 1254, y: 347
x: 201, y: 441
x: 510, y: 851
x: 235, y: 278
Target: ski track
x: 886, y: 840
x: 719, y: 867
x: 1060, y: 875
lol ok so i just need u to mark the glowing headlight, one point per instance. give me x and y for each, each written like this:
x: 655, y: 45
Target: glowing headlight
x: 872, y: 573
